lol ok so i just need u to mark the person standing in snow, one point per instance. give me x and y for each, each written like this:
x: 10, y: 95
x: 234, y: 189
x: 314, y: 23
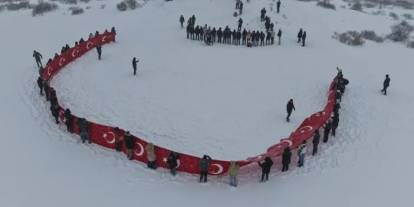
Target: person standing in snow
x: 68, y: 120
x: 240, y: 24
x: 129, y: 144
x: 55, y: 112
x: 315, y: 142
x: 286, y: 157
x: 335, y: 123
x: 99, y: 50
x: 266, y: 165
x: 278, y: 6
x: 40, y: 84
x: 182, y: 21
x: 172, y: 162
x: 134, y: 65
x: 112, y: 31
x: 301, y: 154
x: 233, y: 171
x: 204, y: 164
x: 241, y: 8
x: 151, y: 156
x: 119, y: 138
x: 300, y: 33
x: 326, y: 131
x: 38, y: 57
x: 289, y: 107
x: 83, y: 125
x: 303, y: 38
x: 386, y: 84
x: 279, y: 35
x: 262, y: 14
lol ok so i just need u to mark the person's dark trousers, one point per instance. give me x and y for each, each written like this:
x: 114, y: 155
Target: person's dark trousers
x: 315, y: 149
x: 384, y: 91
x: 288, y: 116
x: 265, y: 177
x: 285, y: 167
x: 203, y: 177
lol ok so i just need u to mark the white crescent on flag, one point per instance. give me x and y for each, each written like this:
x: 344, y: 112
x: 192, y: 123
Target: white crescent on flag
x: 109, y: 137
x: 290, y: 143
x: 89, y: 45
x: 220, y: 169
x: 305, y: 129
x: 141, y: 150
x: 61, y: 61
x: 104, y: 38
x: 75, y: 53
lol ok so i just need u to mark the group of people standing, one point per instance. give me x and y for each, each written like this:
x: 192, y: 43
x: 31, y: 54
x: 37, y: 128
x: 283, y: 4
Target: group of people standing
x: 329, y: 128
x: 239, y: 36
x: 60, y: 115
x: 211, y: 35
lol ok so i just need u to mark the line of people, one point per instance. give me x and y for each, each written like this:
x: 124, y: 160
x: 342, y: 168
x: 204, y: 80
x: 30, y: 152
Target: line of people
x: 329, y: 128
x: 211, y: 35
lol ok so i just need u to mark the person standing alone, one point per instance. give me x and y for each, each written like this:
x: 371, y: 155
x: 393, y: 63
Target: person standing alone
x: 386, y: 84
x: 134, y: 65
x: 289, y: 107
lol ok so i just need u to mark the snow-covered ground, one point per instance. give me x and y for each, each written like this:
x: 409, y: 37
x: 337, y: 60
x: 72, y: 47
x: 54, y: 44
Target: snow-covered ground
x: 226, y: 101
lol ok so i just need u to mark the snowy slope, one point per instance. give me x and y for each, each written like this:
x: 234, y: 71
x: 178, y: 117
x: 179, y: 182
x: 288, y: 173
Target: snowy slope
x: 223, y: 100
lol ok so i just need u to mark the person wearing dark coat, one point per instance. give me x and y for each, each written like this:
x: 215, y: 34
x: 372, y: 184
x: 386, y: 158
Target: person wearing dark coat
x: 300, y: 33
x: 46, y: 88
x: 262, y: 14
x: 266, y: 165
x: 386, y: 84
x: 278, y: 6
x: 335, y: 123
x: 172, y: 162
x: 134, y: 65
x: 303, y: 38
x: 114, y: 32
x: 119, y: 138
x: 204, y: 164
x: 55, y: 112
x: 129, y: 144
x: 286, y: 158
x: 315, y: 142
x: 240, y: 24
x: 99, y: 50
x: 40, y: 84
x: 52, y: 96
x: 279, y: 35
x: 38, y: 57
x: 83, y: 125
x: 68, y: 120
x: 182, y: 21
x: 262, y: 38
x: 289, y: 107
x: 219, y: 35
x: 326, y: 131
x: 241, y: 8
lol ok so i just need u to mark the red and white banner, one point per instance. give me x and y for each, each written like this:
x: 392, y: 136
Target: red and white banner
x: 106, y: 136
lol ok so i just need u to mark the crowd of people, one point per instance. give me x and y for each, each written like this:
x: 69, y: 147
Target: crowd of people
x: 240, y: 36
x: 329, y: 128
x: 124, y: 140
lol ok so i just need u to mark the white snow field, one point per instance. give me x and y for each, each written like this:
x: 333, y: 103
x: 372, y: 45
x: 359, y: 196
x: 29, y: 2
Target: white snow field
x: 225, y: 101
